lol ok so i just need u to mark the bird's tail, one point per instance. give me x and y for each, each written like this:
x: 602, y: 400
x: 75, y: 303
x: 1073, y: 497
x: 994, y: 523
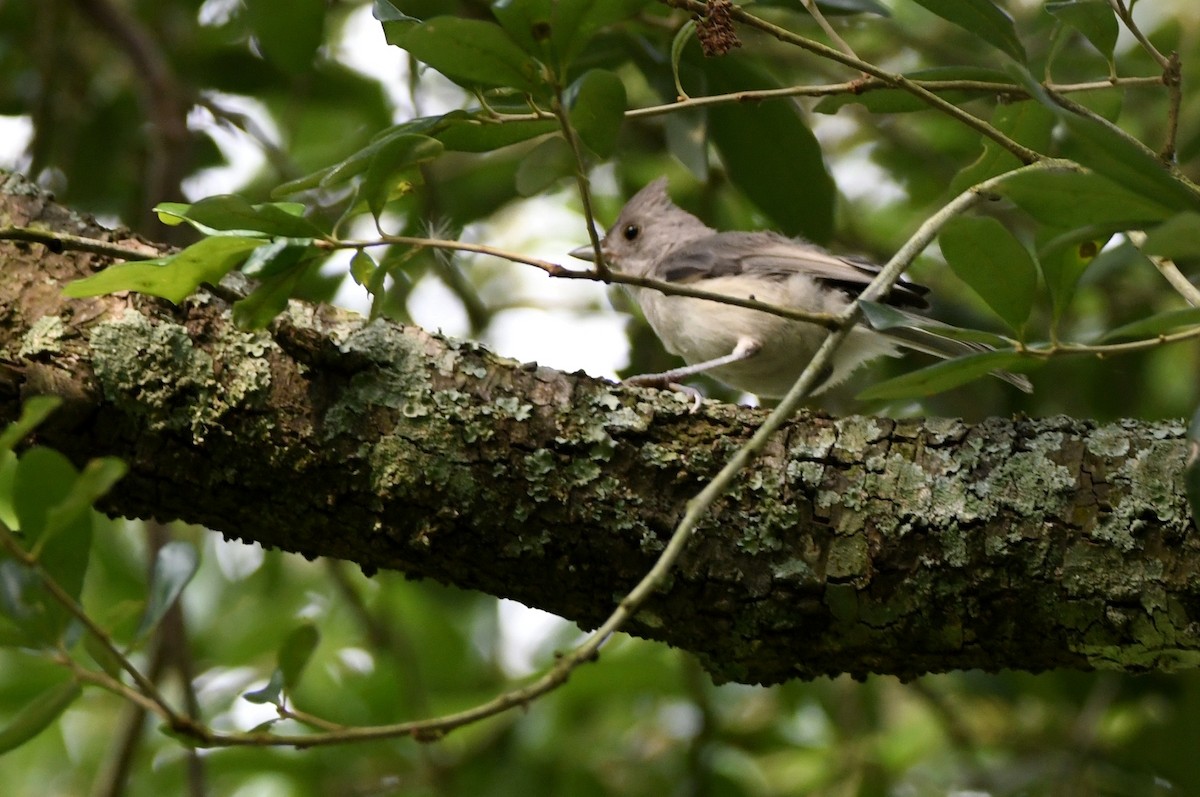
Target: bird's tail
x: 921, y: 334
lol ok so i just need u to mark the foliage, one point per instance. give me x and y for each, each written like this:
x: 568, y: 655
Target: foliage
x: 925, y: 99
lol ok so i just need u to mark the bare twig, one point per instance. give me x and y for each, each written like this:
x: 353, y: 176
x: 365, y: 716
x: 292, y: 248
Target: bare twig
x: 815, y: 12
x: 870, y: 84
x: 62, y: 242
x: 156, y: 702
x: 581, y: 178
x: 1020, y: 151
x: 1169, y: 270
x: 1126, y: 15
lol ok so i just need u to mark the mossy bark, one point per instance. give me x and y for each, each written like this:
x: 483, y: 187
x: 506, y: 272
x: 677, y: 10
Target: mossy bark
x: 851, y: 545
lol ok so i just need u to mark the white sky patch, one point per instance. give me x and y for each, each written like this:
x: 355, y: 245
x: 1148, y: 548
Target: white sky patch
x: 863, y: 180
x: 16, y: 133
x: 363, y: 47
x: 524, y: 633
x: 243, y: 156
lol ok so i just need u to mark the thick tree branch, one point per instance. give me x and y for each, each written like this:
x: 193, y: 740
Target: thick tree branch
x: 852, y: 545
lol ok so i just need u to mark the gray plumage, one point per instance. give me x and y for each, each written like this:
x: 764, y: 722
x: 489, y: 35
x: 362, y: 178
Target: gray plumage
x: 747, y: 349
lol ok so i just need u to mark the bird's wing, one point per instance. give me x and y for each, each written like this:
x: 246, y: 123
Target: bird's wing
x: 767, y: 255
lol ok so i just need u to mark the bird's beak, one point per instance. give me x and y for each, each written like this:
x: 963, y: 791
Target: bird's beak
x: 585, y: 252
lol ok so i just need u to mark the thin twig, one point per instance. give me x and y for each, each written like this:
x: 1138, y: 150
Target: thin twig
x: 815, y: 12
x: 871, y: 84
x: 556, y: 270
x: 1173, y: 78
x: 63, y: 242
x: 1168, y: 269
x: 1127, y: 17
x: 1020, y: 151
x: 581, y: 178
x: 16, y: 551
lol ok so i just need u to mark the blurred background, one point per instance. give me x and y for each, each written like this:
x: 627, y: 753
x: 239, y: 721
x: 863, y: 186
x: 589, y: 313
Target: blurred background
x: 116, y: 105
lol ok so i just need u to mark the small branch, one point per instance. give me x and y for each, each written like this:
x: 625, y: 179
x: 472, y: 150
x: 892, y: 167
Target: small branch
x: 1020, y: 151
x: 1173, y: 78
x: 556, y: 270
x: 875, y: 84
x: 59, y: 242
x: 1169, y: 270
x: 815, y: 12
x: 157, y: 702
x: 1084, y: 111
x: 581, y: 179
x: 1126, y: 16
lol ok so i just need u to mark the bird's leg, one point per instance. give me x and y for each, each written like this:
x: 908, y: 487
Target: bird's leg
x: 744, y: 350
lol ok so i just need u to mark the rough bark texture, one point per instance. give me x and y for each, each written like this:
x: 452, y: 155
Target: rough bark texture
x: 853, y: 545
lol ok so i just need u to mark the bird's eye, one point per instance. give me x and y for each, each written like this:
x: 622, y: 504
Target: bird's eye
x: 631, y: 232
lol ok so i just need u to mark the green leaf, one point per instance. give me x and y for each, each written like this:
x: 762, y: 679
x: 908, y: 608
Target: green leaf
x: 1107, y: 152
x: 1027, y: 122
x: 232, y: 214
x: 416, y: 148
x: 1070, y: 200
x: 295, y: 652
x: 1155, y: 325
x: 545, y: 164
x: 596, y: 107
x: 472, y: 53
x: 271, y: 693
x: 363, y: 267
x: 1093, y: 18
x: 556, y: 31
x: 278, y: 256
x: 458, y: 131
x: 103, y: 656
x: 174, y: 566
x: 485, y: 135
x: 943, y: 376
x: 33, y: 411
x: 97, y: 478
x: 1064, y: 258
x: 1105, y: 149
x: 1177, y: 237
x: 27, y: 605
x: 267, y: 300
x: 38, y: 714
x: 883, y: 317
x: 50, y: 500
x: 770, y: 152
x: 288, y: 32
x: 394, y: 21
x: 986, y: 256
x: 685, y: 34
x: 175, y: 277
x: 390, y: 170
x: 982, y: 18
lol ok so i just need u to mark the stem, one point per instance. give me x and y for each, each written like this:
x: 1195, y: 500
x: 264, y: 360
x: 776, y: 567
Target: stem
x: 154, y: 700
x: 1168, y: 269
x: 60, y: 241
x: 875, y: 84
x: 1021, y: 152
x: 581, y: 178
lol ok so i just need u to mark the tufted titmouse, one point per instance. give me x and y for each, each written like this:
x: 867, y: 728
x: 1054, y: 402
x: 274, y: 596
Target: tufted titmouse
x: 748, y: 349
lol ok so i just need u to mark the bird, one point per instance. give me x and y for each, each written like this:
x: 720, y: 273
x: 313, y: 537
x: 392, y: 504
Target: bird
x: 751, y: 350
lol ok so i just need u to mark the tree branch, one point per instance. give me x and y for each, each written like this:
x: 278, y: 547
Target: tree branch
x: 850, y: 545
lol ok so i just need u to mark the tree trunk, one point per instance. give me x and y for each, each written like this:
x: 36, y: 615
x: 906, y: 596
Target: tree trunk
x: 851, y: 545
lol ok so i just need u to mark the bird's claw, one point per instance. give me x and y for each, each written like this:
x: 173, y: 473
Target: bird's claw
x: 695, y: 397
